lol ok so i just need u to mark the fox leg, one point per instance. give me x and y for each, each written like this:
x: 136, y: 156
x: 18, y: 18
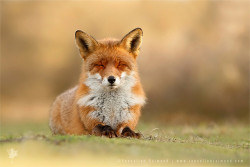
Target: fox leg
x: 127, y: 132
x: 104, y: 130
x: 126, y: 129
x: 94, y: 126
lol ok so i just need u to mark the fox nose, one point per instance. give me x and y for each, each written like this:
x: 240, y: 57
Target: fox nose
x: 111, y: 79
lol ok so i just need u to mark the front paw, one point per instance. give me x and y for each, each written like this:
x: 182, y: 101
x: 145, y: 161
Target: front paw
x: 127, y: 132
x: 104, y: 130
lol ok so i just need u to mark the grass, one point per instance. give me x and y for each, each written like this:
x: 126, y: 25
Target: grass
x: 204, y: 144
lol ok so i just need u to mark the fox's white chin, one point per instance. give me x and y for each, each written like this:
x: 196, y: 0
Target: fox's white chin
x: 113, y: 87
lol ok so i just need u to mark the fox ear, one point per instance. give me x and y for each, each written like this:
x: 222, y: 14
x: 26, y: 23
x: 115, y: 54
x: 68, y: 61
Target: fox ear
x: 85, y: 43
x: 132, y: 41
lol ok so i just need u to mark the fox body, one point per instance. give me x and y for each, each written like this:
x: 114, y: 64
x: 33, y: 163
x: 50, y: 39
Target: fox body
x: 108, y: 99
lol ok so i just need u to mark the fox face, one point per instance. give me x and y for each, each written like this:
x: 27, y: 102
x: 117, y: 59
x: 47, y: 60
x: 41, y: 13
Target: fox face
x: 109, y: 64
x: 110, y: 69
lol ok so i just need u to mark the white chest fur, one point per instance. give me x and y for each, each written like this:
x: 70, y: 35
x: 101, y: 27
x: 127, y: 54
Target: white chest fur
x: 112, y: 106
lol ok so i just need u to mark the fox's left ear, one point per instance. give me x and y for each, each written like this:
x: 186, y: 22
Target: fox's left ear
x: 132, y: 41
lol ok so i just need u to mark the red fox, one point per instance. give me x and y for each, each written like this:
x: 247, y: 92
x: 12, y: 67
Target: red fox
x: 108, y: 99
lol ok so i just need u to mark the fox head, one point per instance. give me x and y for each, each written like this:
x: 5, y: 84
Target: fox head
x: 109, y: 63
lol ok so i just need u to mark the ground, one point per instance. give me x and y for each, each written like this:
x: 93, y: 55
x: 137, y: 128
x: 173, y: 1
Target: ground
x: 31, y: 144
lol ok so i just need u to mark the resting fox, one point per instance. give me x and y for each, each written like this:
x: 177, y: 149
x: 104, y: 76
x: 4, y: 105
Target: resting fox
x: 108, y: 99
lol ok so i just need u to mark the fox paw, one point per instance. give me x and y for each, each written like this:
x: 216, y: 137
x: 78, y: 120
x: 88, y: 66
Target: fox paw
x: 127, y: 132
x: 104, y: 130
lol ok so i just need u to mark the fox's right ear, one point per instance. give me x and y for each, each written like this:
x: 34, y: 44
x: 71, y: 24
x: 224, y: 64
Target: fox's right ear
x: 85, y: 43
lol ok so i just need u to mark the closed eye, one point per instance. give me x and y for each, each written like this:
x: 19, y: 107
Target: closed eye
x: 121, y: 64
x: 99, y: 65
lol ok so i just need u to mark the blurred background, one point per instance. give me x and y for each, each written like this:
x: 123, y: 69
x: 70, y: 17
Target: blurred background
x: 194, y: 62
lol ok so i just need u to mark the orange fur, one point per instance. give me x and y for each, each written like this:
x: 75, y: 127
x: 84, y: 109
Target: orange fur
x: 105, y: 57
